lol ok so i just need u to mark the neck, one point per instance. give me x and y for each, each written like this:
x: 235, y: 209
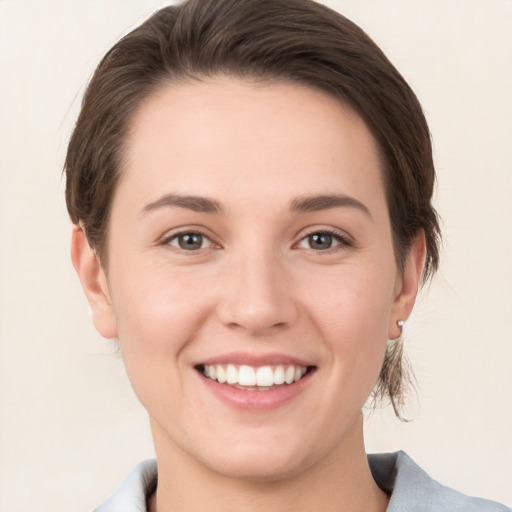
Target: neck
x: 340, y: 481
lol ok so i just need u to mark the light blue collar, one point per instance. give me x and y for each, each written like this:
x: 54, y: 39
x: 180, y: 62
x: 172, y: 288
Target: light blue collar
x: 411, y: 489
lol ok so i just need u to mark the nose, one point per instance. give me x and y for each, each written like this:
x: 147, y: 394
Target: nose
x: 257, y: 295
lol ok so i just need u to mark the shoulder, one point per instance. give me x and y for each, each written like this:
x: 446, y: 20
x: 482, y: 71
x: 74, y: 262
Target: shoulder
x: 411, y: 489
x: 132, y: 494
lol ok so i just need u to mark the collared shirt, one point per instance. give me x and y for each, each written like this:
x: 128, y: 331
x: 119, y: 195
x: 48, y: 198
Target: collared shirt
x: 409, y: 487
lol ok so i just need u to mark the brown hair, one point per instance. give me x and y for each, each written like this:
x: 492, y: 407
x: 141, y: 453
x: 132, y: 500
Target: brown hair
x: 297, y: 41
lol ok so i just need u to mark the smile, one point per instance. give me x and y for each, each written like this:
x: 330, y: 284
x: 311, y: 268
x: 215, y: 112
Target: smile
x: 256, y: 378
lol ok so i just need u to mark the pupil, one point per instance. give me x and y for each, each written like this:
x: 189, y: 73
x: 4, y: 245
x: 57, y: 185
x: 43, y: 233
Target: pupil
x: 320, y: 241
x: 191, y: 241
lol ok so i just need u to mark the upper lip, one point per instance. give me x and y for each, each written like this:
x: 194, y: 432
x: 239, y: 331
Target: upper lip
x: 255, y: 360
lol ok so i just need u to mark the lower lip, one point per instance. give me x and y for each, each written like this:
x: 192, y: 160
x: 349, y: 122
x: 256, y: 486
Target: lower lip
x: 253, y: 399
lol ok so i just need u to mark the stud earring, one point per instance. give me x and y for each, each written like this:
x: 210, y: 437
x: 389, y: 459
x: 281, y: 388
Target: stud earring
x: 400, y: 324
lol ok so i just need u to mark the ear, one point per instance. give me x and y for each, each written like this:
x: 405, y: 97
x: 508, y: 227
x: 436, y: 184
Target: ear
x: 407, y: 285
x: 94, y: 283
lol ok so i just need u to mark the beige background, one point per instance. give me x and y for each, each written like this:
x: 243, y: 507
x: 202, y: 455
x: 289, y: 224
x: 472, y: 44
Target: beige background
x: 70, y: 427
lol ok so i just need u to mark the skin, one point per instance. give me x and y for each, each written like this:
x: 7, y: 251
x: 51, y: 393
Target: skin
x: 257, y: 287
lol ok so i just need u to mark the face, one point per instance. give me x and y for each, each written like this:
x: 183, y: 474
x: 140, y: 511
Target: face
x: 251, y: 278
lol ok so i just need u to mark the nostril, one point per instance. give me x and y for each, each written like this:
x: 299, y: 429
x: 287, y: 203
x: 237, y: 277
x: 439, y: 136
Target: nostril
x: 256, y: 327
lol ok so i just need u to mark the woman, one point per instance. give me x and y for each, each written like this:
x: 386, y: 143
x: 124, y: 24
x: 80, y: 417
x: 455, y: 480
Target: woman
x: 250, y: 183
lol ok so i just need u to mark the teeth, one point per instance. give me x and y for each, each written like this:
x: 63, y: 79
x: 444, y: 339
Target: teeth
x: 279, y: 375
x: 246, y: 376
x: 264, y: 376
x: 221, y: 374
x: 231, y: 374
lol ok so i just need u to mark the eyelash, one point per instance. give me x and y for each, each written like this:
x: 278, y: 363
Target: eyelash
x: 175, y: 236
x: 343, y: 241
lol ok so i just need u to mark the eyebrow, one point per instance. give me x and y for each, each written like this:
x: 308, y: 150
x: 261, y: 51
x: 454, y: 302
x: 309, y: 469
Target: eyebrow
x: 194, y: 203
x: 325, y: 201
x: 301, y: 204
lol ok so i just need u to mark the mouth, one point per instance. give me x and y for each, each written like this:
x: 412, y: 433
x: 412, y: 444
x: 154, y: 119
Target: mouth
x: 251, y: 378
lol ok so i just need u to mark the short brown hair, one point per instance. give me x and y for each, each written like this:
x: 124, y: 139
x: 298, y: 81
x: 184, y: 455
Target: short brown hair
x: 297, y: 41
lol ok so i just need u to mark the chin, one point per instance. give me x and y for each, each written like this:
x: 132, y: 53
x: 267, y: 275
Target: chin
x: 260, y: 454
x: 261, y: 467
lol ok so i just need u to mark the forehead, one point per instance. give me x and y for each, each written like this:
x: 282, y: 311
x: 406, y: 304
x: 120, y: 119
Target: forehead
x: 238, y: 139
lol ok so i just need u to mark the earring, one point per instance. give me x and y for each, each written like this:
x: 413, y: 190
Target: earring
x: 400, y: 324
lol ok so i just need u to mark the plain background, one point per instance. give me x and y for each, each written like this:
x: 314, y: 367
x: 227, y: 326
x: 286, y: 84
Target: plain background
x: 70, y: 427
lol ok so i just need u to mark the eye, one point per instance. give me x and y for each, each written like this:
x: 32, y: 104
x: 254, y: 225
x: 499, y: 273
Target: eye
x: 323, y: 240
x: 189, y: 241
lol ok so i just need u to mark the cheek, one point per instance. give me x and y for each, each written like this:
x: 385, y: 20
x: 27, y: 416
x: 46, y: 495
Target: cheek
x: 357, y: 299
x: 353, y: 315
x: 157, y: 314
